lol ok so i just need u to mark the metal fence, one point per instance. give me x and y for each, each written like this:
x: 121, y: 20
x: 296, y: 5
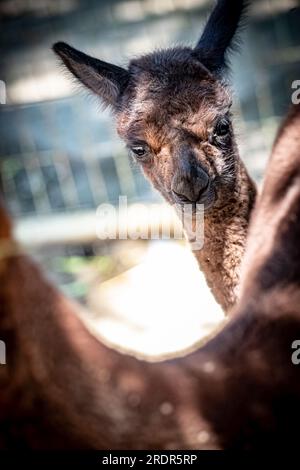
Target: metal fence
x: 59, y: 151
x: 51, y: 165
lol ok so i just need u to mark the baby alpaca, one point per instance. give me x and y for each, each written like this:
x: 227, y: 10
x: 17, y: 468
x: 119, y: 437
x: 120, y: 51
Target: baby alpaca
x: 173, y: 111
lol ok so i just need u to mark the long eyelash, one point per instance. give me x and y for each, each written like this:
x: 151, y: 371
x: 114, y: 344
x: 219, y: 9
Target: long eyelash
x: 136, y: 143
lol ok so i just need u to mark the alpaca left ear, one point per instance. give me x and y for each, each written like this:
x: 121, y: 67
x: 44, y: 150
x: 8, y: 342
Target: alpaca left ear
x: 219, y: 32
x: 105, y: 80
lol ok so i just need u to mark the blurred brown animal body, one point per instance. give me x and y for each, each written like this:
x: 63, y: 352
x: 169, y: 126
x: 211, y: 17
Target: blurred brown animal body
x: 62, y: 388
x: 172, y: 110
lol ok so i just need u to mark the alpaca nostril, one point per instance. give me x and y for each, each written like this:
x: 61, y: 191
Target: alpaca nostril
x: 190, y: 191
x: 181, y: 197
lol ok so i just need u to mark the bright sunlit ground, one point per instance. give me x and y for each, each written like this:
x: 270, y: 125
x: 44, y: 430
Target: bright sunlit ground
x: 160, y: 306
x: 149, y: 298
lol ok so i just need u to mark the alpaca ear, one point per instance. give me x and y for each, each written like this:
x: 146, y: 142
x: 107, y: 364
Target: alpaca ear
x: 105, y: 80
x: 217, y: 38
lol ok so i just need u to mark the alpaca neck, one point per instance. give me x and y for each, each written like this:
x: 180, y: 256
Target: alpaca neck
x: 225, y: 233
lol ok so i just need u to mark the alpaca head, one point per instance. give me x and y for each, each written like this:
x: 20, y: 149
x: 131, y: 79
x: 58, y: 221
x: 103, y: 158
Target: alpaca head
x: 173, y: 110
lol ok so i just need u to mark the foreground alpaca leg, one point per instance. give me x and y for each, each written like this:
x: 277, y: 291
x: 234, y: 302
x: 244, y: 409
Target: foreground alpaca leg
x: 173, y: 112
x: 61, y: 388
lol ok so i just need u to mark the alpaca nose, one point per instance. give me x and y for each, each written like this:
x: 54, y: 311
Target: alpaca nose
x: 190, y: 187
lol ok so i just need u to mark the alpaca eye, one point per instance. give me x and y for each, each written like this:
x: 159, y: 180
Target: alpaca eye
x: 138, y: 150
x: 222, y: 129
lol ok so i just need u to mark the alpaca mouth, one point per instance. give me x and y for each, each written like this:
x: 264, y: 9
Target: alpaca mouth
x: 203, y: 204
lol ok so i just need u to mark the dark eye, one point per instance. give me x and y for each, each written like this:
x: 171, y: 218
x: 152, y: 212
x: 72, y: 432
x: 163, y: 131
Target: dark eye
x: 222, y: 128
x: 138, y: 150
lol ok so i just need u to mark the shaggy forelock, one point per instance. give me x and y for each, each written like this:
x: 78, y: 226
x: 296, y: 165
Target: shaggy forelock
x: 171, y: 83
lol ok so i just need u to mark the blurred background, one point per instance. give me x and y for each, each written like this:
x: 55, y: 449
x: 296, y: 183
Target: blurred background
x: 60, y: 156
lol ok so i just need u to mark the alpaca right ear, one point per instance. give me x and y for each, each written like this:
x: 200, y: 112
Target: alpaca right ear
x: 105, y: 80
x: 218, y: 36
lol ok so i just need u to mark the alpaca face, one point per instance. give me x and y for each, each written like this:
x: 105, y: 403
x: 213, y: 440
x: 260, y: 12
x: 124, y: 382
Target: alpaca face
x: 173, y: 110
x: 177, y: 126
